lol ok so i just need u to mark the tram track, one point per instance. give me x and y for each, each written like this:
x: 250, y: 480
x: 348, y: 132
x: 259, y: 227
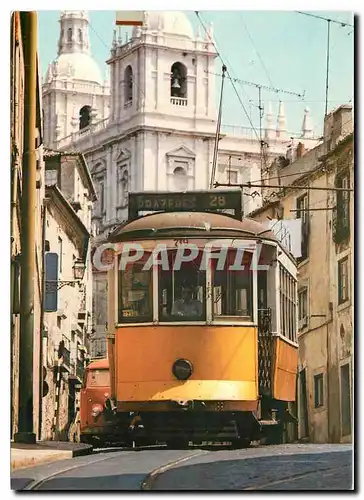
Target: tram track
x: 120, y: 468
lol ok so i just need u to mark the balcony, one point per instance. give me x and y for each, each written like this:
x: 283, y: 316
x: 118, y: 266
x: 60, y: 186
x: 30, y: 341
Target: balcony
x: 178, y: 101
x: 80, y: 369
x: 66, y: 357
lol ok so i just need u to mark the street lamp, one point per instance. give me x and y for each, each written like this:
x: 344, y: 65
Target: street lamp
x: 78, y: 273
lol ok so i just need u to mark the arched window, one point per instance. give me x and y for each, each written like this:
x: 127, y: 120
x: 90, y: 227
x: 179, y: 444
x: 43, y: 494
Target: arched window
x: 69, y: 35
x: 178, y: 80
x: 128, y: 86
x: 85, y: 116
x: 180, y: 178
x: 80, y: 35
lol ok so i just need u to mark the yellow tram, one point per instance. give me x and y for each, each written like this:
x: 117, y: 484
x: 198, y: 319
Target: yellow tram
x: 202, y: 320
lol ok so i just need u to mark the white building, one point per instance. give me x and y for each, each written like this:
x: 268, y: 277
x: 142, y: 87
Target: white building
x: 160, y: 130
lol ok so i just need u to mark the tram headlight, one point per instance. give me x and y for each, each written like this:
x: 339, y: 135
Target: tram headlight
x: 96, y: 410
x: 182, y: 369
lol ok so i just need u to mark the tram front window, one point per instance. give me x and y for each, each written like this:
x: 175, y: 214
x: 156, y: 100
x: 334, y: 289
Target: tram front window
x: 135, y: 293
x: 182, y: 291
x: 233, y: 289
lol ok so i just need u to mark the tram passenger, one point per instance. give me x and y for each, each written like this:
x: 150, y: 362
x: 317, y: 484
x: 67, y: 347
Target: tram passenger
x: 187, y: 305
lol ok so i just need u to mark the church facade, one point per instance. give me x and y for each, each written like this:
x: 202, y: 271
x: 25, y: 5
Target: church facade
x: 151, y: 125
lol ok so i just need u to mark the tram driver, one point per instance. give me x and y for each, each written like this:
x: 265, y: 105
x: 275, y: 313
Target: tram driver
x: 187, y: 305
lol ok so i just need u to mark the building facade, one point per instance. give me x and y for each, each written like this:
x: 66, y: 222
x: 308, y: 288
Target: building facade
x: 160, y: 131
x: 326, y: 269
x: 18, y: 219
x: 68, y: 300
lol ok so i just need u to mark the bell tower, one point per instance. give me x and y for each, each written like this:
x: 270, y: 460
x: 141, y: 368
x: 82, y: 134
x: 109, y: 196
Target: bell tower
x: 163, y: 72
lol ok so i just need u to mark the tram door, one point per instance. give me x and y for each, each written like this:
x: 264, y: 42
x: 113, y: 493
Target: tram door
x: 265, y: 343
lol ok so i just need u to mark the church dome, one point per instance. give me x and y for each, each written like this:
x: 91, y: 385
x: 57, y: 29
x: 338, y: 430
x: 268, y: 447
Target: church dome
x: 170, y: 22
x: 75, y: 66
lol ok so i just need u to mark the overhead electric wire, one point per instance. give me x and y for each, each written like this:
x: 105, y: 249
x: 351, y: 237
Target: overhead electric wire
x: 228, y: 72
x: 258, y: 54
x: 325, y: 19
x: 290, y: 186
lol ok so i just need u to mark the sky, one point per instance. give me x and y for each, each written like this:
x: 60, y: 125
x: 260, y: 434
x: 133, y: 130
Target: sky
x: 283, y: 50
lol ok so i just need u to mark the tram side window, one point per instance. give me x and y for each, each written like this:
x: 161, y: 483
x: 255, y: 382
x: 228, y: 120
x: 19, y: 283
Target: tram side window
x: 182, y: 290
x: 135, y: 293
x: 232, y: 289
x: 288, y: 306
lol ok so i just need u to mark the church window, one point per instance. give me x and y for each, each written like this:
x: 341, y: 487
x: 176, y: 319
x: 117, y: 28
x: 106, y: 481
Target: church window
x: 123, y: 187
x: 128, y: 86
x: 85, y: 117
x: 180, y: 178
x: 178, y: 83
x: 69, y: 35
x: 80, y: 36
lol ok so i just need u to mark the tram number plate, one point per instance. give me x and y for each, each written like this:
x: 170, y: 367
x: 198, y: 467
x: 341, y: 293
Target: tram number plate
x: 180, y: 242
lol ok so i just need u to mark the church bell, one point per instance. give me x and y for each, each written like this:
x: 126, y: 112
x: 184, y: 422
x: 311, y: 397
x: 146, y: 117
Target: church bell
x: 175, y: 84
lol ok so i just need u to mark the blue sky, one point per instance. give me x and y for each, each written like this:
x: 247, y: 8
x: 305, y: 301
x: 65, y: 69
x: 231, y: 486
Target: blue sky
x: 292, y: 57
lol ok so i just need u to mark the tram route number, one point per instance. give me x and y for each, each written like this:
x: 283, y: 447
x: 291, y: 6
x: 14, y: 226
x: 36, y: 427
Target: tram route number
x: 217, y: 201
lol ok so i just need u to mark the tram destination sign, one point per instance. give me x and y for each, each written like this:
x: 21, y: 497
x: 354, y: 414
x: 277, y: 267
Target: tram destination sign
x: 193, y: 201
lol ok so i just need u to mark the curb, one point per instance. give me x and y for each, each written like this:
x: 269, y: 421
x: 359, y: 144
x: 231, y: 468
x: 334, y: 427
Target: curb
x: 46, y: 453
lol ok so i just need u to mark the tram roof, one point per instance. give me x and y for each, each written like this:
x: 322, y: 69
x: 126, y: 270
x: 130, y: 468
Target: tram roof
x: 98, y: 364
x: 189, y: 224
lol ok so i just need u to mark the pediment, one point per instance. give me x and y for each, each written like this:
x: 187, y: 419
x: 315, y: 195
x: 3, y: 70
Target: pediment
x: 122, y: 155
x: 182, y: 152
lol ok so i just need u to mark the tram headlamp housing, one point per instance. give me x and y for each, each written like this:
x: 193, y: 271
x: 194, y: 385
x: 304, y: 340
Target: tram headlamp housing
x: 182, y: 369
x: 96, y: 410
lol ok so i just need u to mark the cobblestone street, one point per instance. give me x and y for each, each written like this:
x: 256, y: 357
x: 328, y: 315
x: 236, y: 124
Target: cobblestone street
x: 285, y: 467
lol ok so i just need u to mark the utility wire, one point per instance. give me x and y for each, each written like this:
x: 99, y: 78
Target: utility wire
x: 258, y: 54
x: 342, y: 24
x: 228, y: 72
x: 290, y: 186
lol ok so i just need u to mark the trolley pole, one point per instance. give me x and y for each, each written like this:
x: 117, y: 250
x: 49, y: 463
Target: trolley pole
x: 25, y: 432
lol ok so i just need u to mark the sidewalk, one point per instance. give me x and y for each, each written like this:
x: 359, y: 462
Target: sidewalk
x: 44, y: 452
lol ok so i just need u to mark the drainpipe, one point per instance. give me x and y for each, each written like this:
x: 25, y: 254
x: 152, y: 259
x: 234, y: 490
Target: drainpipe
x: 25, y: 432
x: 40, y: 418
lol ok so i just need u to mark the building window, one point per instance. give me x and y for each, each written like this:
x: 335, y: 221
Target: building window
x: 60, y: 254
x: 232, y: 176
x: 69, y: 35
x: 345, y: 400
x: 303, y: 214
x: 180, y: 179
x: 343, y: 280
x: 128, y: 86
x: 178, y: 81
x: 341, y: 215
x: 123, y: 187
x: 80, y: 36
x: 85, y: 117
x: 319, y: 390
x: 287, y: 291
x: 302, y: 308
x: 102, y: 196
